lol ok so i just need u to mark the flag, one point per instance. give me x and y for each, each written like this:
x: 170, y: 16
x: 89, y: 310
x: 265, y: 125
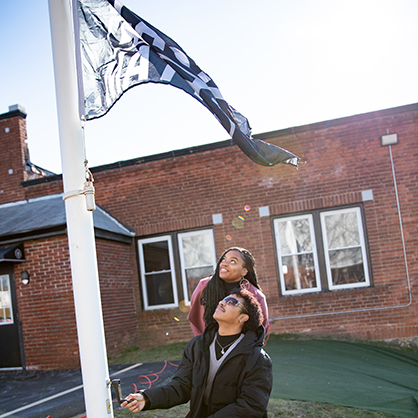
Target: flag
x: 119, y: 50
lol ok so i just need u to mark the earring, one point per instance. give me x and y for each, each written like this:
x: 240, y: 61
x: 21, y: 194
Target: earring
x: 244, y: 284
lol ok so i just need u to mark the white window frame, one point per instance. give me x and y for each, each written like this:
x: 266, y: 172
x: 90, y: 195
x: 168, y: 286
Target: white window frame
x: 9, y: 297
x: 182, y: 262
x: 362, y: 245
x: 172, y: 271
x: 318, y: 287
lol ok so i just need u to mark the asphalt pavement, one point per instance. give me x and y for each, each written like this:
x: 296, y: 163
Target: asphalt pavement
x: 59, y: 393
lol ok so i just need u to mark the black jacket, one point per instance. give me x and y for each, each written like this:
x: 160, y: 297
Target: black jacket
x: 241, y: 387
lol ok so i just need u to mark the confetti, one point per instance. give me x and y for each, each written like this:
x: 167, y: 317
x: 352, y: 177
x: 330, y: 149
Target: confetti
x: 238, y: 223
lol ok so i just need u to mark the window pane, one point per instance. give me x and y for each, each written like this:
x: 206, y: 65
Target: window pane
x: 345, y: 258
x: 297, y: 254
x: 156, y: 256
x: 5, y: 284
x: 197, y: 259
x: 299, y: 272
x: 342, y: 230
x: 5, y: 300
x: 193, y: 277
x: 347, y: 266
x: 6, y: 314
x: 159, y: 289
x: 345, y: 249
x: 294, y: 236
x: 197, y: 250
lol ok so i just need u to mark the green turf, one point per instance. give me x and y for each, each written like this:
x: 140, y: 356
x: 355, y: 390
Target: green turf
x: 346, y: 373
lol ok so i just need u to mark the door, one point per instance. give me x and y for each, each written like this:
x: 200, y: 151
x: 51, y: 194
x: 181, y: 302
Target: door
x: 9, y: 323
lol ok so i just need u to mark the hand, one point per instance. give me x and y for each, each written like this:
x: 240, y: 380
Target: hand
x: 137, y: 404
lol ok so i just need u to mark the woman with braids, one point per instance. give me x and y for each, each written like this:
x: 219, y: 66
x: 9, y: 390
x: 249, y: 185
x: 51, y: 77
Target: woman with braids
x: 235, y: 268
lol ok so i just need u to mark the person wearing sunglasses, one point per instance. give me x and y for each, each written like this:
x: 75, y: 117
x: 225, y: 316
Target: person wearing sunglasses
x: 224, y: 372
x: 235, y: 268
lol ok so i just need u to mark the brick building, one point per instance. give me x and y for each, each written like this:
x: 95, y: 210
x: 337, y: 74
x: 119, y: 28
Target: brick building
x: 335, y: 241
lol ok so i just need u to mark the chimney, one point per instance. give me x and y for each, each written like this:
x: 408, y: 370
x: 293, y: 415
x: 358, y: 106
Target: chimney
x: 13, y: 150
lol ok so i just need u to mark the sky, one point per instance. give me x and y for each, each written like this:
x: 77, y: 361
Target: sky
x: 281, y: 63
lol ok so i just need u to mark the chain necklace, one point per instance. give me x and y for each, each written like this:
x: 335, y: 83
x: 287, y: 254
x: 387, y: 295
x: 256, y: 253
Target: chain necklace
x: 223, y: 348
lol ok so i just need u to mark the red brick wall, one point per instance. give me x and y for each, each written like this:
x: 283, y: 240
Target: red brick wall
x: 340, y: 159
x: 12, y: 158
x: 46, y: 304
x: 119, y: 290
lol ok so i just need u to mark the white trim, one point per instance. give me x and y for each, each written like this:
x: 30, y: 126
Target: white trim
x: 317, y: 288
x: 367, y: 195
x: 2, y: 323
x: 182, y: 262
x: 172, y: 270
x: 217, y: 218
x: 362, y: 246
x: 264, y: 211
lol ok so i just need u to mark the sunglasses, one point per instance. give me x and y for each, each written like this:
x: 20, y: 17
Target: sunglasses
x: 230, y: 300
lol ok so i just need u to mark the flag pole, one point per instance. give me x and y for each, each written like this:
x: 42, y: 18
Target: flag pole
x: 80, y: 230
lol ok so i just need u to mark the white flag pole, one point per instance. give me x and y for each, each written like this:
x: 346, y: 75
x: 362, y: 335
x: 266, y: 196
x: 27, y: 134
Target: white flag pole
x: 94, y: 367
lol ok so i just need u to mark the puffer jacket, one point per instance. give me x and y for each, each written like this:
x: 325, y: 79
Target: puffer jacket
x: 241, y: 387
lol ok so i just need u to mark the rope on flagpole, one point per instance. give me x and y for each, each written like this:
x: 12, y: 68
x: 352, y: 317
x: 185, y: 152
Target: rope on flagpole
x: 88, y: 189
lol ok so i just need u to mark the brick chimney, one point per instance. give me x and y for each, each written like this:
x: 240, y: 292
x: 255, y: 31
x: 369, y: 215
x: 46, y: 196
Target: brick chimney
x: 13, y: 154
x: 15, y: 164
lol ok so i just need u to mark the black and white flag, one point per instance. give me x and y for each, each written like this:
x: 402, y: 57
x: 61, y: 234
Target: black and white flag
x: 119, y: 50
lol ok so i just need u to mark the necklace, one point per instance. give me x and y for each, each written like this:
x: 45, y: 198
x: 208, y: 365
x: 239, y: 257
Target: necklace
x: 223, y: 348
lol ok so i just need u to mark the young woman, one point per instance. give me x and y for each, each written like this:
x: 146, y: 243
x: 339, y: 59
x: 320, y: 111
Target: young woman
x: 224, y: 372
x: 235, y: 268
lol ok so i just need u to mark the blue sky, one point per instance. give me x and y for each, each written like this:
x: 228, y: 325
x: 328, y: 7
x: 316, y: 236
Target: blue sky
x: 281, y: 63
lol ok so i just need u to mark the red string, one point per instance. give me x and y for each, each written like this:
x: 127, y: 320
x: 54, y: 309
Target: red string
x: 148, y: 381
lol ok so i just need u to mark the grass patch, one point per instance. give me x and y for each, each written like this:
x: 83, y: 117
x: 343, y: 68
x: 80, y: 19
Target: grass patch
x: 277, y: 408
x: 174, y: 351
x: 163, y: 352
x: 328, y: 337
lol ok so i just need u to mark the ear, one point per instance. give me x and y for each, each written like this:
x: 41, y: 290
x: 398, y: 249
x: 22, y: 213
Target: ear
x: 244, y: 272
x: 243, y: 318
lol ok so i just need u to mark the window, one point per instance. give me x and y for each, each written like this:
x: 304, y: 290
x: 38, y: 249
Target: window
x: 197, y: 259
x: 345, y: 250
x: 157, y: 273
x: 321, y: 250
x: 297, y: 255
x: 172, y: 265
x: 6, y: 313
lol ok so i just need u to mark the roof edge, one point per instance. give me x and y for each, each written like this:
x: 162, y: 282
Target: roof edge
x: 339, y: 121
x: 229, y: 142
x: 13, y: 114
